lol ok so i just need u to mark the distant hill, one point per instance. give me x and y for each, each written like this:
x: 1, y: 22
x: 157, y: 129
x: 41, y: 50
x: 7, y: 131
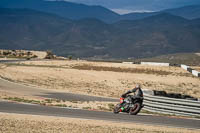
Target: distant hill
x: 163, y: 33
x: 64, y: 9
x: 29, y: 29
x: 136, y: 16
x: 148, y: 37
x: 196, y: 22
x: 188, y: 12
x: 33, y: 30
x: 77, y: 11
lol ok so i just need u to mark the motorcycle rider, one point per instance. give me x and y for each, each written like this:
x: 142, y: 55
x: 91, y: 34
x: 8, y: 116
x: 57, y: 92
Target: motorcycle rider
x: 137, y: 90
x: 138, y: 94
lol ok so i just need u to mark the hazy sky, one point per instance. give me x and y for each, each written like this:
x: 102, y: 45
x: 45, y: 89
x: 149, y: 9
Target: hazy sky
x: 124, y: 6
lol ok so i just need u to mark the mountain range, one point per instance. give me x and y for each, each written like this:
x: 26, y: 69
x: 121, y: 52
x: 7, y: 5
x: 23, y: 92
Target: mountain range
x: 64, y: 9
x: 163, y: 33
x: 76, y: 11
x: 188, y: 12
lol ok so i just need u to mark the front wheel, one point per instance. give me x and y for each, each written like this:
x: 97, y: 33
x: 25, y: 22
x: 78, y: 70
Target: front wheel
x: 135, y: 109
x: 116, y: 109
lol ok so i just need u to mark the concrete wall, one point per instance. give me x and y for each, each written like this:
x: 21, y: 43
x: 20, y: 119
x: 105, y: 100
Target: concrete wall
x: 127, y: 62
x: 187, y: 68
x: 155, y: 63
x: 196, y: 73
x: 184, y: 67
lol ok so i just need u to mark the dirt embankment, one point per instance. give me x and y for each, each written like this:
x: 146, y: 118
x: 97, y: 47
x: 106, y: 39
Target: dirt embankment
x: 196, y: 68
x: 46, y: 124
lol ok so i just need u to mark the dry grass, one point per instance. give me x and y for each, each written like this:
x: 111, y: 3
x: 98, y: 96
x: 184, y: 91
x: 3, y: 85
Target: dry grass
x: 46, y: 124
x: 118, y: 69
x: 40, y: 54
x: 4, y: 58
x: 91, y: 105
x: 196, y: 68
x: 100, y: 78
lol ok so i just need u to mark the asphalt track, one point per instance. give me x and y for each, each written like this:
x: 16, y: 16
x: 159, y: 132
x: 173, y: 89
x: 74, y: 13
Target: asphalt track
x: 12, y: 107
x: 9, y: 107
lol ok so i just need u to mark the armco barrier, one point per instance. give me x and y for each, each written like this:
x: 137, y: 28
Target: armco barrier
x: 170, y: 105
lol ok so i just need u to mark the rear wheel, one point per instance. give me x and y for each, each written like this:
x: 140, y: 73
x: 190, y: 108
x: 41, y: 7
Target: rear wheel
x: 135, y: 109
x: 116, y: 109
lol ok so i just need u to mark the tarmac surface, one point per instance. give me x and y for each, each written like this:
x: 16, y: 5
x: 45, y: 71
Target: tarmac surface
x: 12, y: 107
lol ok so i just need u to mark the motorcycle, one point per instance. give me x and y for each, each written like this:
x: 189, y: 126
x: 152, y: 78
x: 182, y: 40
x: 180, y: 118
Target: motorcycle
x: 129, y: 104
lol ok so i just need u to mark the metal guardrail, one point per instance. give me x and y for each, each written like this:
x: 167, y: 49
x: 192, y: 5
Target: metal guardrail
x: 171, y: 105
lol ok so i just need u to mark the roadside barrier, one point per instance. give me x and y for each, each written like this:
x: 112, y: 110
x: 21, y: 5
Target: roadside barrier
x: 155, y: 64
x: 194, y: 72
x: 167, y: 105
x: 171, y: 106
x: 127, y: 62
x: 185, y: 67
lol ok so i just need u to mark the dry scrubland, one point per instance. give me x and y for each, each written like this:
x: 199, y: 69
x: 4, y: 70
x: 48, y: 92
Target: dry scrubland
x: 27, y: 123
x: 100, y: 78
x: 22, y: 54
x: 196, y: 68
x: 31, y: 98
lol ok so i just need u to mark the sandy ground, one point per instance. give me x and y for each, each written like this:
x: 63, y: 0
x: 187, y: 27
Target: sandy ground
x: 46, y: 124
x: 196, y: 68
x: 100, y: 78
x: 197, y: 54
x: 8, y: 58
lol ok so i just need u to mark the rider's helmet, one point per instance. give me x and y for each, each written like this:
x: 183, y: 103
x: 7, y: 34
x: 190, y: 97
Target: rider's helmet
x: 138, y: 86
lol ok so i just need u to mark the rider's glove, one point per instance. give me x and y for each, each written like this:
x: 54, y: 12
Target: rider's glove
x: 123, y: 96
